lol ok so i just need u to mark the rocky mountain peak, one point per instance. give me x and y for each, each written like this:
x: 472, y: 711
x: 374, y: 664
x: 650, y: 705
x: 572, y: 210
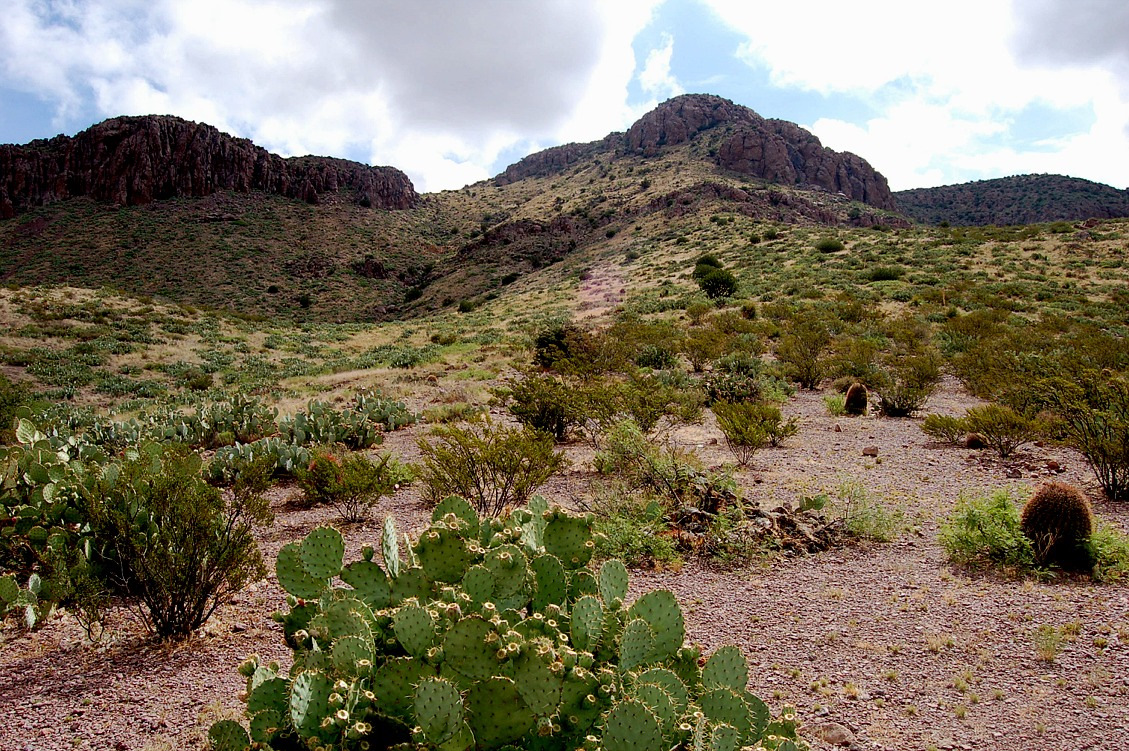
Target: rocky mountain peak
x: 136, y: 160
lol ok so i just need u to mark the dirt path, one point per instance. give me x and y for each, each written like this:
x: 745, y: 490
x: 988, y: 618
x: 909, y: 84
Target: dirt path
x: 884, y: 639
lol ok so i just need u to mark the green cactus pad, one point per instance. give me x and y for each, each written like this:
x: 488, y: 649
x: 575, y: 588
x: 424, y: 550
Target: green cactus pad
x: 570, y: 539
x: 265, y: 726
x: 669, y: 683
x: 453, y: 504
x: 631, y: 726
x: 9, y: 590
x: 467, y: 651
x: 478, y: 583
x: 309, y: 701
x: 613, y: 582
x: 443, y: 554
x: 587, y: 623
x: 660, y: 610
x: 760, y: 713
x: 394, y: 684
x: 577, y: 711
x: 685, y: 665
x: 498, y: 715
x: 581, y: 583
x: 390, y: 548
x: 660, y: 702
x: 724, y: 705
x: 321, y: 553
x: 724, y: 738
x: 538, y: 684
x: 268, y: 696
x: 511, y: 576
x: 550, y: 581
x: 533, y: 530
x: 228, y: 735
x: 370, y: 583
x: 292, y: 574
x: 412, y: 582
x: 414, y: 628
x: 438, y: 709
x: 348, y: 651
x: 726, y: 667
x: 636, y: 644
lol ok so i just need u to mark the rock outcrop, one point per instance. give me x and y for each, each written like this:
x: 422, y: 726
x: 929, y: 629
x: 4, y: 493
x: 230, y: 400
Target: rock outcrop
x: 773, y: 150
x: 557, y: 159
x: 137, y: 160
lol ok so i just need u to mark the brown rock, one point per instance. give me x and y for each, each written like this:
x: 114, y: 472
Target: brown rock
x: 834, y: 733
x: 974, y: 441
x: 870, y: 451
x: 136, y: 160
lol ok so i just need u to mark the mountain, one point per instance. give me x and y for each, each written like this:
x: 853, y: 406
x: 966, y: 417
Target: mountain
x: 774, y: 150
x: 179, y: 211
x: 1023, y: 199
x: 131, y: 161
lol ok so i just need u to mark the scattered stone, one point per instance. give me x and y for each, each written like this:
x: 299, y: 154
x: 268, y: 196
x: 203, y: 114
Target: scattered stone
x: 974, y: 441
x: 838, y: 428
x: 870, y: 451
x: 1053, y: 466
x: 835, y: 734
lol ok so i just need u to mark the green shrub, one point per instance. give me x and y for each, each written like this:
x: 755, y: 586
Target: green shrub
x: 803, y: 350
x: 1002, y: 427
x: 544, y: 403
x: 169, y: 541
x: 565, y: 348
x: 13, y: 395
x: 718, y: 283
x: 492, y: 467
x: 836, y: 404
x: 866, y: 517
x: 945, y: 428
x: 828, y: 244
x: 1094, y: 415
x: 352, y: 483
x: 494, y: 634
x: 1108, y: 548
x: 633, y: 528
x: 1058, y: 522
x: 885, y: 273
x: 907, y: 381
x: 743, y: 425
x: 985, y: 531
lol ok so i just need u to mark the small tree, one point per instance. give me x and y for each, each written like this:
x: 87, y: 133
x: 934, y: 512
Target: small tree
x: 718, y: 283
x: 803, y: 350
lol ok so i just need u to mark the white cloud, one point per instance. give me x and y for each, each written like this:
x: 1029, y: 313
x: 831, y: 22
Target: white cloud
x: 656, y: 78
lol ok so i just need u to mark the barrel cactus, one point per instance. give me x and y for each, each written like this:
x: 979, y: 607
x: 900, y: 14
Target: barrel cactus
x: 491, y: 633
x: 856, y: 400
x: 1058, y: 521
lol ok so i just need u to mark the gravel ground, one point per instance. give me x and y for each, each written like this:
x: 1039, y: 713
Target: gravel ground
x: 884, y: 641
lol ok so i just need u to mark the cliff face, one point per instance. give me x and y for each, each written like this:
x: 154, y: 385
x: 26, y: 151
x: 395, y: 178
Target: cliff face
x: 773, y: 150
x: 137, y: 160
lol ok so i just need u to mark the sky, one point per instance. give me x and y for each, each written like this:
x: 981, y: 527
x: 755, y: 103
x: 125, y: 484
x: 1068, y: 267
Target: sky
x: 452, y: 91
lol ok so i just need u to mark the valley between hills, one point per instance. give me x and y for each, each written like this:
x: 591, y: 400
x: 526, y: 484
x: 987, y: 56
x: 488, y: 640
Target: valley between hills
x: 662, y: 329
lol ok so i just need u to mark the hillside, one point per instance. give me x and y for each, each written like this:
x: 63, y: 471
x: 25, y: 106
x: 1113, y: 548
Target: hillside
x: 161, y: 207
x: 1023, y: 199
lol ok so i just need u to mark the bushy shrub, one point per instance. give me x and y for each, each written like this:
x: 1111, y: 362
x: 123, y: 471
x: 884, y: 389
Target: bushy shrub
x: 492, y: 467
x: 352, y: 483
x: 907, y: 381
x: 836, y: 404
x: 1002, y: 427
x: 1093, y: 408
x: 544, y: 403
x: 985, y: 531
x: 803, y: 349
x: 743, y: 426
x: 1058, y: 522
x: 13, y: 395
x: 828, y: 245
x: 718, y: 283
x: 945, y: 428
x: 167, y: 539
x: 565, y: 348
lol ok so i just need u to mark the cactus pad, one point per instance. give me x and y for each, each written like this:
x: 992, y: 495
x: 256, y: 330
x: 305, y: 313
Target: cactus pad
x: 390, y: 547
x: 467, y: 651
x: 538, y: 685
x: 478, y: 583
x: 661, y: 703
x: 411, y: 582
x: 511, y: 576
x: 724, y: 738
x: 631, y: 726
x: 586, y: 626
x: 321, y: 553
x: 453, y: 504
x: 533, y: 528
x: 309, y: 701
x: 443, y: 554
x: 498, y: 714
x: 570, y: 539
x: 668, y: 682
x: 660, y: 610
x: 724, y: 705
x: 345, y: 617
x: 613, y: 582
x: 414, y: 628
x: 636, y: 644
x: 292, y: 574
x: 348, y: 651
x: 268, y: 696
x: 726, y: 667
x: 581, y: 583
x: 228, y: 735
x: 369, y: 582
x: 394, y: 684
x: 438, y: 709
x: 550, y: 581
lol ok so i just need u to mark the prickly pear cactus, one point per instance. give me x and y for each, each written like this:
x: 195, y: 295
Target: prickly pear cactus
x: 492, y: 634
